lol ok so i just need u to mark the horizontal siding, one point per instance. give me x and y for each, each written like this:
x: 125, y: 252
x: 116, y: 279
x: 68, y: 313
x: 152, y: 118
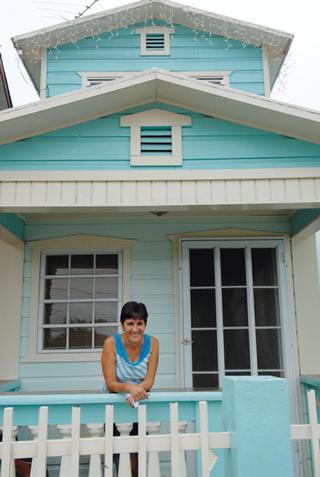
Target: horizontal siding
x: 208, y: 144
x: 151, y: 282
x: 120, y: 51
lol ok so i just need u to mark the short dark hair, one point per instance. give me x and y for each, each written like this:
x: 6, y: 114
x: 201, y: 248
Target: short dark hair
x: 134, y: 310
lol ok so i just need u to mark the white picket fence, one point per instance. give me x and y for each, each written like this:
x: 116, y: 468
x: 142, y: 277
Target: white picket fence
x: 102, y: 445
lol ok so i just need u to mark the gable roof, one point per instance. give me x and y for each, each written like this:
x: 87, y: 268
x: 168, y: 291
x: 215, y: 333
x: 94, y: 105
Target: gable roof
x: 29, y: 45
x: 159, y: 86
x: 5, y: 98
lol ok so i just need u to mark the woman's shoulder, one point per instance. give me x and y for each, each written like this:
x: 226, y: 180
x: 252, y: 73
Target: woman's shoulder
x: 154, y: 342
x: 109, y: 342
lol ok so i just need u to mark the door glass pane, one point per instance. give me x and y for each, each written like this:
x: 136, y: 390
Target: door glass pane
x: 264, y: 266
x: 277, y: 374
x: 234, y: 304
x: 204, y: 351
x: 57, y: 265
x: 81, y: 265
x: 203, y: 308
x: 266, y: 306
x: 205, y: 381
x: 201, y: 267
x: 233, y: 267
x: 236, y: 349
x: 269, y: 349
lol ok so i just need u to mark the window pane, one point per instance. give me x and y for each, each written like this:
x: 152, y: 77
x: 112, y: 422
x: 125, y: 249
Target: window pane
x: 233, y: 269
x: 105, y: 312
x: 107, y: 287
x: 264, y: 266
x: 269, y: 349
x: 266, y: 307
x: 57, y: 264
x: 106, y: 264
x: 238, y: 373
x: 56, y: 289
x: 55, y: 313
x: 81, y: 265
x: 80, y: 338
x: 80, y: 313
x: 201, y: 267
x: 236, y: 349
x: 234, y: 303
x: 54, y: 338
x: 81, y: 288
x: 100, y: 334
x: 205, y: 381
x: 203, y: 308
x: 204, y: 351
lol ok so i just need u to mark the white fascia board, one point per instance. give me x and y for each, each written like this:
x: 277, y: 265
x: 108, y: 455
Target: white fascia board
x: 155, y: 117
x: 159, y: 86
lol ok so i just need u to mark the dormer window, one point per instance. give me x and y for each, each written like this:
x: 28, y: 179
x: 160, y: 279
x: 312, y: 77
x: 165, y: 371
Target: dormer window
x: 155, y: 137
x: 155, y: 40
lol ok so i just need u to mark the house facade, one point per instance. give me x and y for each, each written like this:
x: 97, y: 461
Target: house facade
x: 156, y: 168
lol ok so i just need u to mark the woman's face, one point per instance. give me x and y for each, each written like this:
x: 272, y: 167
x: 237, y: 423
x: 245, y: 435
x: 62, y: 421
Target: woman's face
x: 134, y: 329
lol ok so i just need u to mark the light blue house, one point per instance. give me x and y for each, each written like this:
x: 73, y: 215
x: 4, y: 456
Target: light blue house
x: 156, y: 167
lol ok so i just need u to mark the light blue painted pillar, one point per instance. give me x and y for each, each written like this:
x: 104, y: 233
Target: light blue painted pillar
x: 256, y: 413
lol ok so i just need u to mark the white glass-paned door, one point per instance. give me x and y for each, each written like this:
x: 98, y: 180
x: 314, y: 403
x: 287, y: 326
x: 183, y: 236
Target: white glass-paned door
x: 231, y: 308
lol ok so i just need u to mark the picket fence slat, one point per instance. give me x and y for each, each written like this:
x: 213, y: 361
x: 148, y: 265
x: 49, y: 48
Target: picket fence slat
x: 314, y: 431
x: 6, y: 464
x: 75, y: 442
x: 108, y: 442
x: 174, y: 429
x: 204, y: 439
x: 142, y: 442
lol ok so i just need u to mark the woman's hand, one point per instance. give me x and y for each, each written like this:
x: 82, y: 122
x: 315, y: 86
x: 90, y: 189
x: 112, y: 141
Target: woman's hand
x: 137, y: 391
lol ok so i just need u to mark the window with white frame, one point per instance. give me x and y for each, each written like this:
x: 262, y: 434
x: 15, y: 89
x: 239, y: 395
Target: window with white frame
x: 155, y: 137
x: 80, y: 295
x: 220, y: 78
x: 97, y: 78
x: 155, y: 40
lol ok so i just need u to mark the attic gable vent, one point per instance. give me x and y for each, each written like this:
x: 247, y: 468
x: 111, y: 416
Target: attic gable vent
x: 155, y: 138
x: 221, y: 78
x: 155, y: 40
x: 96, y: 81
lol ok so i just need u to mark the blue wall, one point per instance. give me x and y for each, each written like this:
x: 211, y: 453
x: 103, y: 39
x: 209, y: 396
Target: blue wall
x: 152, y: 281
x: 120, y: 51
x: 208, y: 144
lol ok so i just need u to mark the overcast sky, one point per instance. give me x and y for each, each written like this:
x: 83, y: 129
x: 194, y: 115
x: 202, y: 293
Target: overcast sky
x: 301, y: 84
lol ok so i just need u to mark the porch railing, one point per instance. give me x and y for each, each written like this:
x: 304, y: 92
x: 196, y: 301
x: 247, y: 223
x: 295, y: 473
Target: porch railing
x: 216, y: 424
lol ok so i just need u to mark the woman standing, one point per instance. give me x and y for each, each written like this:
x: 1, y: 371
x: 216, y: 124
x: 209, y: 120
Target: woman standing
x: 130, y: 359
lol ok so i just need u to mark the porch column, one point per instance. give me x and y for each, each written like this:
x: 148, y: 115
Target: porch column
x: 256, y: 413
x: 11, y: 269
x: 307, y: 297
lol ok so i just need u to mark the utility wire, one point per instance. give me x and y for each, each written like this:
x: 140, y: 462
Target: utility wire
x: 86, y: 9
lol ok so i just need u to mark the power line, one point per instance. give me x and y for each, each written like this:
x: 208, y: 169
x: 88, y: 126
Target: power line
x: 86, y: 9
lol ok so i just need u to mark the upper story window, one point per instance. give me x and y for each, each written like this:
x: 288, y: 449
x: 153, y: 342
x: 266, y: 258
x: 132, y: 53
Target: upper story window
x: 94, y: 78
x: 155, y: 40
x: 220, y: 78
x: 80, y: 295
x: 155, y: 137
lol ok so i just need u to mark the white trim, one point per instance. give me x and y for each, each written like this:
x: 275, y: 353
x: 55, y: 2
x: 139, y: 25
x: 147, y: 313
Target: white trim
x: 43, y: 74
x: 74, y: 243
x: 170, y: 88
x: 85, y: 75
x: 266, y: 72
x: 194, y: 74
x: 154, y: 29
x: 160, y: 175
x: 155, y: 117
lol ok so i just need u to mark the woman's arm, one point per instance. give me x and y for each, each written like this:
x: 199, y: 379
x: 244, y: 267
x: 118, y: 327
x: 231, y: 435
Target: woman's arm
x: 148, y: 381
x: 108, y: 363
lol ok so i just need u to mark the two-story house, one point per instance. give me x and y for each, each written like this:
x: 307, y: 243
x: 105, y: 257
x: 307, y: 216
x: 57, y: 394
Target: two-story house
x: 156, y: 167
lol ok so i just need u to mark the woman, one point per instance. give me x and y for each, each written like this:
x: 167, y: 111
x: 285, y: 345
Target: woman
x: 130, y: 359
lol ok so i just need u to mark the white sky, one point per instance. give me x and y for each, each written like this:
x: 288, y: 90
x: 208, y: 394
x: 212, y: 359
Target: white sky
x: 301, y: 84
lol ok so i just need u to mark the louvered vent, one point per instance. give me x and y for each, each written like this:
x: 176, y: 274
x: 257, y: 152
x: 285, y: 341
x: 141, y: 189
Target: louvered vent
x: 155, y: 41
x: 96, y: 80
x: 156, y: 140
x: 211, y: 79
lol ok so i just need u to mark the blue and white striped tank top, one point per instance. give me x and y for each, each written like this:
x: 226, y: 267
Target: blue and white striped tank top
x: 126, y: 370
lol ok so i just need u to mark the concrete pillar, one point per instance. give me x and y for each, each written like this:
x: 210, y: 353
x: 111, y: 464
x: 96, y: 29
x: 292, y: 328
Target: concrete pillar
x: 256, y: 413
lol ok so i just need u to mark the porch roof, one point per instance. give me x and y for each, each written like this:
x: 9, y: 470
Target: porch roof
x: 157, y: 85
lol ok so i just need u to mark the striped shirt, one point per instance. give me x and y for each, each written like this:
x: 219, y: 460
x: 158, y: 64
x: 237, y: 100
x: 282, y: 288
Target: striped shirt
x: 126, y: 370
